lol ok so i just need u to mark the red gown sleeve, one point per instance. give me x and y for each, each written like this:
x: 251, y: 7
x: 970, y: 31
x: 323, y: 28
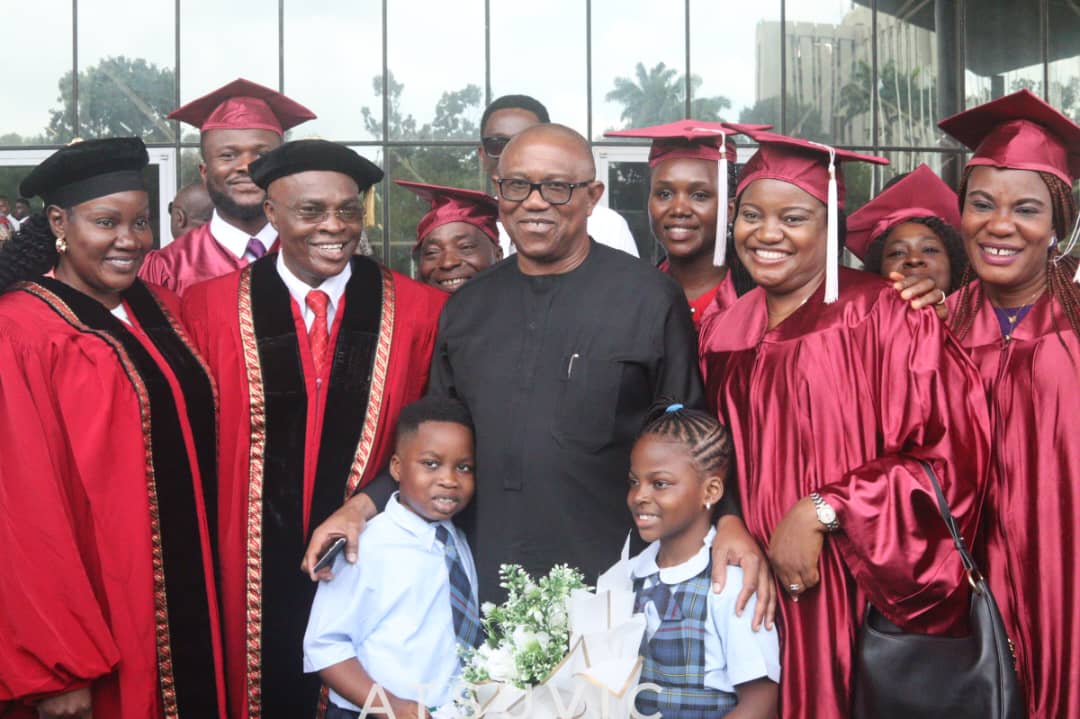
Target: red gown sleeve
x: 155, y: 271
x: 55, y: 635
x: 892, y: 537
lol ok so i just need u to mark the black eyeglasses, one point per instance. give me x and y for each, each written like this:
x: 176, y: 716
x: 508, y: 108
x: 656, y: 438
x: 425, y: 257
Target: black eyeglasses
x: 553, y: 193
x: 494, y: 145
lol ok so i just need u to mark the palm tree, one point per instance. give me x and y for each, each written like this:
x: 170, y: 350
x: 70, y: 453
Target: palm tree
x: 659, y: 95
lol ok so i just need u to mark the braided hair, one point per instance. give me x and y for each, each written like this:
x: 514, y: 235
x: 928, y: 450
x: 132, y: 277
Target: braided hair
x: 707, y: 441
x: 954, y: 248
x: 1059, y: 269
x: 30, y: 254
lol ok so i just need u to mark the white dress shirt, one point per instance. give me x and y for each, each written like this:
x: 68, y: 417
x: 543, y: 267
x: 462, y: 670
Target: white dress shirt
x: 334, y: 287
x: 734, y: 653
x: 236, y: 240
x: 604, y: 225
x: 120, y: 312
x: 391, y: 610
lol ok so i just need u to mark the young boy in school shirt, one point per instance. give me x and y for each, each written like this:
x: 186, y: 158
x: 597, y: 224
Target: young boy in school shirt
x: 384, y: 634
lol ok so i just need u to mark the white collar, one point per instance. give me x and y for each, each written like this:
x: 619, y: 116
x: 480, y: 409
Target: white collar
x: 334, y: 286
x: 644, y: 564
x: 414, y: 524
x: 234, y: 239
x: 120, y: 312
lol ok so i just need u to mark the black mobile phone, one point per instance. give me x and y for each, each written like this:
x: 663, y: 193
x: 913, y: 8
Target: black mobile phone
x: 328, y: 557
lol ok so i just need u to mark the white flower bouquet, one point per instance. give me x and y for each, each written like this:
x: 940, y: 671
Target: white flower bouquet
x: 556, y: 650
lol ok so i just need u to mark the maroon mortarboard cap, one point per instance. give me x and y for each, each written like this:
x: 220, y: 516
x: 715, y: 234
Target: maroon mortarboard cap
x: 243, y: 105
x: 689, y: 139
x: 455, y: 204
x: 1019, y: 132
x: 920, y: 194
x: 696, y: 140
x: 803, y: 163
x: 815, y: 169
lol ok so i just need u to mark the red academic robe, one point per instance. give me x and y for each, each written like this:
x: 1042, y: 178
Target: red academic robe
x: 106, y: 435
x: 1033, y: 504
x: 293, y: 446
x: 191, y: 258
x: 841, y: 399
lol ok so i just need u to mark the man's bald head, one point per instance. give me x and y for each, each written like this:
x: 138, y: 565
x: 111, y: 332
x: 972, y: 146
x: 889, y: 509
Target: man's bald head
x: 190, y: 208
x: 571, y: 142
x: 551, y: 169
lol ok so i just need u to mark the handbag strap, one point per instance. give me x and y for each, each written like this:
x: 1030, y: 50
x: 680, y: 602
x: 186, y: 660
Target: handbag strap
x: 974, y: 575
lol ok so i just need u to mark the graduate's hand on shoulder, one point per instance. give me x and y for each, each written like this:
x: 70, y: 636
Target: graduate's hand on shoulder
x: 348, y: 521
x: 920, y: 292
x: 795, y: 548
x: 734, y: 546
x: 69, y: 705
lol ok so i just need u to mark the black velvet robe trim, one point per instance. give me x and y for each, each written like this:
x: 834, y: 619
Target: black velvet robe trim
x: 186, y: 665
x: 286, y: 593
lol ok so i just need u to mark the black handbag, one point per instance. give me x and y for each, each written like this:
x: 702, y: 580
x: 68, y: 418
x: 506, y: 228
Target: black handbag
x: 917, y: 676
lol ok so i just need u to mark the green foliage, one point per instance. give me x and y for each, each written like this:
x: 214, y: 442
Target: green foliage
x: 455, y: 166
x: 117, y: 97
x: 659, y: 95
x: 803, y: 120
x: 527, y: 635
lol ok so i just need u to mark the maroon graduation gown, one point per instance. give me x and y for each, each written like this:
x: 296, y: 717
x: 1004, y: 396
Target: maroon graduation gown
x: 841, y: 399
x: 293, y: 446
x: 1033, y: 504
x: 106, y: 432
x: 191, y: 258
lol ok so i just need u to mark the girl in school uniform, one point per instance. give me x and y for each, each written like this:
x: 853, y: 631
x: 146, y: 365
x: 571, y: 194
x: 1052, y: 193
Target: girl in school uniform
x: 708, y: 660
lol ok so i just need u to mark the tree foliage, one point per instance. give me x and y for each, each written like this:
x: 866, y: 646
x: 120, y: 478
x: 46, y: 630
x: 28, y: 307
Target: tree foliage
x: 658, y: 95
x: 117, y: 97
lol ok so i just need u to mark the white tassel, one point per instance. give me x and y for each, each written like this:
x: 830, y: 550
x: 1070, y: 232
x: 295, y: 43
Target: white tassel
x: 832, y: 246
x: 1073, y: 237
x: 720, y: 249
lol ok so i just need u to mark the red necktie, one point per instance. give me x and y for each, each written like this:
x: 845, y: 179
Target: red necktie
x: 318, y: 333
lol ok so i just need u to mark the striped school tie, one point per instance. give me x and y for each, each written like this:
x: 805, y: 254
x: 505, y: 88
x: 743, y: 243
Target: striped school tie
x: 462, y: 605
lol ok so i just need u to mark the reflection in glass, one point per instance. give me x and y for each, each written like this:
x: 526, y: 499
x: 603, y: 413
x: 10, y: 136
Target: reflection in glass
x: 190, y: 158
x: 451, y: 166
x: 333, y: 64
x: 37, y: 72
x: 127, y: 82
x: 1003, y: 50
x: 436, y: 96
x: 735, y: 53
x: 539, y: 30
x: 638, y: 64
x: 829, y: 76
x: 628, y: 194
x: 908, y: 104
x: 1064, y: 46
x: 221, y: 41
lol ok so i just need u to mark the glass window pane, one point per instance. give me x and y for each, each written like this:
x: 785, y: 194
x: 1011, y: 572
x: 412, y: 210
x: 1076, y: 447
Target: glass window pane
x: 437, y: 95
x: 628, y: 194
x: 221, y: 41
x: 1065, y: 58
x: 322, y: 36
x: 552, y: 32
x: 452, y: 166
x: 1003, y: 50
x: 908, y: 68
x: 127, y: 82
x: 33, y: 111
x: 751, y: 43
x: 372, y: 243
x: 638, y: 64
x: 829, y: 72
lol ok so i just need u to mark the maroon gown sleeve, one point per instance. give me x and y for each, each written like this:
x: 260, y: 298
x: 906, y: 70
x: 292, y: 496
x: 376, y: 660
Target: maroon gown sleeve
x: 55, y: 637
x: 891, y: 536
x: 155, y: 271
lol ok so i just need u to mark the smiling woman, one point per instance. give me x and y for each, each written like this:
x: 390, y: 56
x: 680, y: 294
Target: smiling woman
x: 111, y: 476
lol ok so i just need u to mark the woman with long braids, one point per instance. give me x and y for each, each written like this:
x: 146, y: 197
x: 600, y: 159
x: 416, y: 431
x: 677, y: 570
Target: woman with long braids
x: 834, y: 390
x: 108, y: 606
x: 1018, y: 315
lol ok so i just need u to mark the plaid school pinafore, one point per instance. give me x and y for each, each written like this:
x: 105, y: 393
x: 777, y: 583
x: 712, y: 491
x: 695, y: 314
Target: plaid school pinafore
x: 675, y: 656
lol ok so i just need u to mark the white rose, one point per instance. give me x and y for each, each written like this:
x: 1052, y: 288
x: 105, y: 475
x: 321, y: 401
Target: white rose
x: 487, y: 608
x: 522, y: 639
x: 557, y: 616
x: 543, y: 639
x: 500, y: 665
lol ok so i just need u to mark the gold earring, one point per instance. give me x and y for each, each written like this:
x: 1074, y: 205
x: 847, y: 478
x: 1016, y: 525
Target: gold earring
x: 61, y: 245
